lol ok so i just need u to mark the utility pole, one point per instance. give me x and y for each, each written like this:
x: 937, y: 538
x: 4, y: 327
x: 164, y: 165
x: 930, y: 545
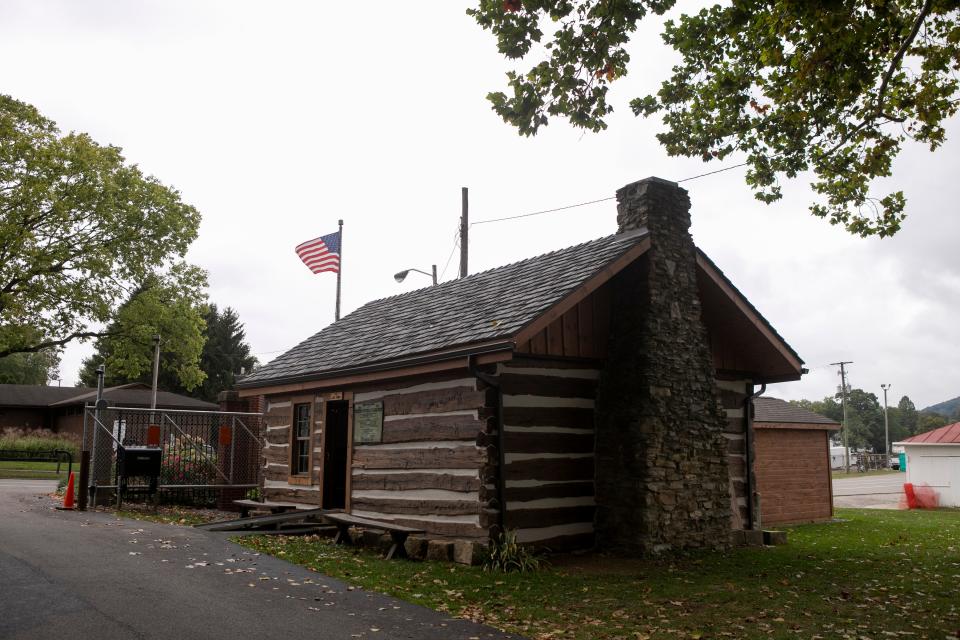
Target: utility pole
x: 886, y: 427
x: 156, y: 374
x: 843, y: 400
x: 464, y: 228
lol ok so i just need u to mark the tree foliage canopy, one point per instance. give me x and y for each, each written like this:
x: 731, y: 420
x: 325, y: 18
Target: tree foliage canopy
x: 169, y: 306
x: 865, y: 418
x: 834, y: 88
x: 224, y: 355
x: 39, y: 367
x: 79, y: 231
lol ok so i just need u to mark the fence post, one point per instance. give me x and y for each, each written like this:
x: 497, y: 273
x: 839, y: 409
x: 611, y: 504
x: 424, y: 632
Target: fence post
x: 84, y: 479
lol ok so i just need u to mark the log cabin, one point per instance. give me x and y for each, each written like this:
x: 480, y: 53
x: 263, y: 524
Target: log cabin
x: 594, y: 395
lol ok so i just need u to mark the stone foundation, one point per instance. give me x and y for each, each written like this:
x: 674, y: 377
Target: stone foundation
x: 662, y: 478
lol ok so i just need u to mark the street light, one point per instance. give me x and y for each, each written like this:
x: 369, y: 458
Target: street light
x: 886, y: 424
x: 401, y: 275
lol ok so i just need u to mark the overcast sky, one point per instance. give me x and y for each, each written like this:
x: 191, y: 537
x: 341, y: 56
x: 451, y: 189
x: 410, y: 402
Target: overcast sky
x: 275, y: 119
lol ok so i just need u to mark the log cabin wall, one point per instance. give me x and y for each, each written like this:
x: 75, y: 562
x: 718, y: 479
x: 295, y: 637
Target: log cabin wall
x: 426, y: 471
x: 733, y: 393
x: 278, y: 420
x: 549, y: 439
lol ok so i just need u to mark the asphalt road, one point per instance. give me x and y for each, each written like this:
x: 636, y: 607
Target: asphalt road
x: 90, y: 575
x: 871, y: 492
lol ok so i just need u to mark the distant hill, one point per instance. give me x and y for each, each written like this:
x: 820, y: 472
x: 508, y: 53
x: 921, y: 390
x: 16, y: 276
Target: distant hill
x: 946, y: 409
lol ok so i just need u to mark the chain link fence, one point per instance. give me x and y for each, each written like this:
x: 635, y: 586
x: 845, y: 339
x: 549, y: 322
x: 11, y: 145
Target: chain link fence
x: 209, y: 458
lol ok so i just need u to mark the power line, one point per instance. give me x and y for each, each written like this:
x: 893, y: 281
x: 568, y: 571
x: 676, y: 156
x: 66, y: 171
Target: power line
x: 589, y: 202
x: 456, y: 243
x: 710, y: 173
x: 537, y: 213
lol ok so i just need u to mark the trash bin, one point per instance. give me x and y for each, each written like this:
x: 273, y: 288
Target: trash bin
x: 903, y: 462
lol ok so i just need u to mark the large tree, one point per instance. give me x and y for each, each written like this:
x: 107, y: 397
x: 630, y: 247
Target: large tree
x: 40, y: 367
x: 834, y: 88
x: 225, y: 355
x: 80, y: 229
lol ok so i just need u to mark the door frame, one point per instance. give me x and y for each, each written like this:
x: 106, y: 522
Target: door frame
x: 328, y: 397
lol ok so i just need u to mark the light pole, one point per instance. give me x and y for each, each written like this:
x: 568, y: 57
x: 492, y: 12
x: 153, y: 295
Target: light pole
x: 401, y: 275
x: 886, y: 426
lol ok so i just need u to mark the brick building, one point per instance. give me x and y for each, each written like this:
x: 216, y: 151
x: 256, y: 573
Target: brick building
x: 792, y: 462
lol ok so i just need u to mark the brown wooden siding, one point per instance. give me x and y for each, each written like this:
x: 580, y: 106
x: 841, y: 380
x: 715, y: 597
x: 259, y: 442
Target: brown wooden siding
x: 793, y: 475
x: 581, y: 332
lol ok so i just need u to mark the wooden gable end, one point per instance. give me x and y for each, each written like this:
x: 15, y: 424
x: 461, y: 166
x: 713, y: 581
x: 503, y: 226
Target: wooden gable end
x: 579, y: 332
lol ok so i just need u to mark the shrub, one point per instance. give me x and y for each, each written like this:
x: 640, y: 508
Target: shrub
x: 188, y: 460
x: 506, y: 555
x: 36, y: 441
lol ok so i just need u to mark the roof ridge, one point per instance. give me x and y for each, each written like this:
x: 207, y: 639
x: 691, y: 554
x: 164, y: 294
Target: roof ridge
x: 470, y: 276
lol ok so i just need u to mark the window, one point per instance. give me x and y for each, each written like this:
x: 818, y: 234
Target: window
x: 301, y: 440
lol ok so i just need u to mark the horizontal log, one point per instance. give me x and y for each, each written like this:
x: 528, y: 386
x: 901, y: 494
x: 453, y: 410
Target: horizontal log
x: 564, y: 543
x: 276, y: 473
x: 399, y: 385
x: 539, y: 442
x: 293, y: 495
x: 551, y: 386
x: 417, y: 507
x: 437, y: 527
x: 414, y: 480
x: 465, y: 457
x: 551, y: 469
x: 277, y: 436
x: 435, y: 401
x: 549, y: 490
x: 573, y: 417
x: 277, y: 455
x: 533, y: 362
x: 528, y: 518
x: 460, y: 427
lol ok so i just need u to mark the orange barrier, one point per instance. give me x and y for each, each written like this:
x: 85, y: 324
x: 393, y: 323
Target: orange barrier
x: 920, y: 496
x: 68, y: 496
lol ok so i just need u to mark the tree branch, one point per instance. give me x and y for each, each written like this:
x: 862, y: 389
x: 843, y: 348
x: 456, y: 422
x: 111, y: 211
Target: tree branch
x: 48, y: 344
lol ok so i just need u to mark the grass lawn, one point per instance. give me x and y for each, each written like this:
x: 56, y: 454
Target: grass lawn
x: 875, y: 574
x: 33, y: 470
x: 840, y: 475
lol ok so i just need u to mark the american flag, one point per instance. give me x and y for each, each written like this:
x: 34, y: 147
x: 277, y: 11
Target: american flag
x: 321, y: 254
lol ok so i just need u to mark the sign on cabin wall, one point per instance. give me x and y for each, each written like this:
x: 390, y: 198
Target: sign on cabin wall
x: 368, y: 422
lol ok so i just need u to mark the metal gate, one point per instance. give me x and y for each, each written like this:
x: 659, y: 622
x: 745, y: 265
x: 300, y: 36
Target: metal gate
x: 208, y: 456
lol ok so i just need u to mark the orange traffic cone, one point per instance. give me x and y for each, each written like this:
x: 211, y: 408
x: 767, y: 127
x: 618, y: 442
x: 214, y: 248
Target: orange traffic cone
x: 68, y: 496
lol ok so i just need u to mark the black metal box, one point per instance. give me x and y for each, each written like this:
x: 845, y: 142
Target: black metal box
x: 139, y: 461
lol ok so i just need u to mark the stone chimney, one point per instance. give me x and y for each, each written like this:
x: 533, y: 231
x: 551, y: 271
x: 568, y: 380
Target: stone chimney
x: 662, y: 478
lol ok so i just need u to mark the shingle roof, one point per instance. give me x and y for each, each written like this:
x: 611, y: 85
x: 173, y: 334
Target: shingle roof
x: 949, y: 434
x: 36, y: 395
x: 776, y: 410
x: 32, y: 395
x: 482, y: 307
x: 139, y: 396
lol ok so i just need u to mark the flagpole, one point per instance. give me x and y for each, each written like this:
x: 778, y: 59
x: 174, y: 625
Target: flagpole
x: 339, y: 269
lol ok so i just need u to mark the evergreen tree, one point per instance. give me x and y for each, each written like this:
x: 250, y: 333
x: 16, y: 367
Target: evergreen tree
x: 225, y: 355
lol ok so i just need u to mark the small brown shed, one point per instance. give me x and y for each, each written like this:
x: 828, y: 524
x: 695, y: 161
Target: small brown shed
x: 792, y: 448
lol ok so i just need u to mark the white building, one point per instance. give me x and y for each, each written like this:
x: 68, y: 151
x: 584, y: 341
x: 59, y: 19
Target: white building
x: 933, y: 459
